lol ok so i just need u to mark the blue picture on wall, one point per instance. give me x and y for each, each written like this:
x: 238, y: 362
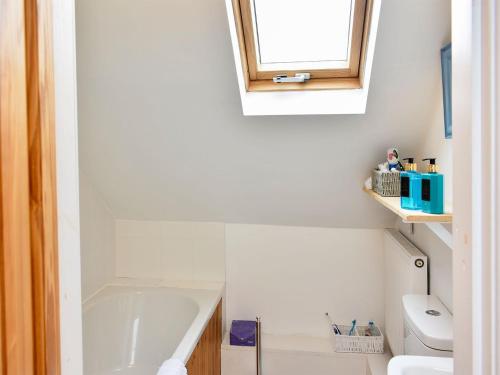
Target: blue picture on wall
x: 446, y: 76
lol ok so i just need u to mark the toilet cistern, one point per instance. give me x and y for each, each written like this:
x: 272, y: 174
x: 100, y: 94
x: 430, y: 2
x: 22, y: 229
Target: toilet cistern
x: 428, y: 326
x: 428, y: 341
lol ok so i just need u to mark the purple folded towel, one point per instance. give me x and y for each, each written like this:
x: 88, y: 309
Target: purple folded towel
x: 242, y: 333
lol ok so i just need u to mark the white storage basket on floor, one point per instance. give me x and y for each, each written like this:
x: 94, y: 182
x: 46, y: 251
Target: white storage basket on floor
x: 358, y: 342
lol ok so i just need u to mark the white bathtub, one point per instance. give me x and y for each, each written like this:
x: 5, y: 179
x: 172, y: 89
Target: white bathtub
x: 131, y: 330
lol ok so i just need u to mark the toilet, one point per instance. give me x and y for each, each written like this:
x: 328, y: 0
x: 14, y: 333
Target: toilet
x: 428, y: 327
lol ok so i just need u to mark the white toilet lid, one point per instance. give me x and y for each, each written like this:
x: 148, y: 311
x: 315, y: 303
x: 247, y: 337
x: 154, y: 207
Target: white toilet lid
x: 429, y: 319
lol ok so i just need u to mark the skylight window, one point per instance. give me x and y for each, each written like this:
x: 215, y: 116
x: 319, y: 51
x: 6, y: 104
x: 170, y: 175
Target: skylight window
x: 302, y: 44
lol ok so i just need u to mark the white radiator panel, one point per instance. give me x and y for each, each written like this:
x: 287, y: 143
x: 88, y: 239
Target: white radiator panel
x: 402, y: 276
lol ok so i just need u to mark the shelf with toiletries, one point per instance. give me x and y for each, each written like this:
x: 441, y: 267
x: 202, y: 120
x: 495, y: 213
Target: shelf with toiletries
x: 409, y: 216
x: 415, y: 197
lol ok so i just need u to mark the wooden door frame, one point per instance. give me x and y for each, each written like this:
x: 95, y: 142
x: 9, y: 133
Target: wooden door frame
x: 15, y: 282
x: 29, y: 284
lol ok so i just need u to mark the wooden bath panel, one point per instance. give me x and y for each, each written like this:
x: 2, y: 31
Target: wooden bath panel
x: 206, y: 357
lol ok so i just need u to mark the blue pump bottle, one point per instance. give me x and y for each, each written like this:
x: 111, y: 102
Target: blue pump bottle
x: 432, y: 189
x: 411, y: 186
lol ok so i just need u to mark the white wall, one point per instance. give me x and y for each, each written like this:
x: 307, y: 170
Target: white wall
x: 163, y: 136
x: 171, y: 251
x: 288, y: 275
x: 67, y: 187
x: 440, y: 256
x: 97, y: 239
x: 291, y: 276
x: 434, y: 145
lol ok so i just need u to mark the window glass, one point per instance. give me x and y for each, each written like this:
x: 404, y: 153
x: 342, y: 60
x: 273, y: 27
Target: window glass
x: 302, y: 34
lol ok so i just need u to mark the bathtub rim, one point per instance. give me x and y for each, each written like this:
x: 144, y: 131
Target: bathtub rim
x: 206, y: 295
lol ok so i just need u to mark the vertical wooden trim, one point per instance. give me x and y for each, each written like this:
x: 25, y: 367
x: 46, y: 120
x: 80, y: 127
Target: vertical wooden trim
x: 366, y: 36
x: 206, y: 357
x: 17, y: 354
x: 218, y: 340
x: 241, y: 41
x: 357, y: 36
x: 248, y: 37
x: 42, y: 162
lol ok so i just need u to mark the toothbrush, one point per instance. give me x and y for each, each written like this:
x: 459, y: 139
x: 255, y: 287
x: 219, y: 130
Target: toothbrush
x: 351, y: 332
x: 335, y: 327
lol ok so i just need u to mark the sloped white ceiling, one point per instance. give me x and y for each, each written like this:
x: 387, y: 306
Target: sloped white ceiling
x: 162, y: 135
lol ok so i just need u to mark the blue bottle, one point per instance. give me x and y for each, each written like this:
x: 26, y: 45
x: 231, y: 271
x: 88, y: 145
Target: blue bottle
x: 432, y: 189
x: 411, y: 186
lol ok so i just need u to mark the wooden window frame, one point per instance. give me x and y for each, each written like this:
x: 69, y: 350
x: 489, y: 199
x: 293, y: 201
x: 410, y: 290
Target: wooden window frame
x: 321, y: 79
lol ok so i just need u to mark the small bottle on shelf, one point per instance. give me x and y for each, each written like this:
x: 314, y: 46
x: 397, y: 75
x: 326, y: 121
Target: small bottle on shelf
x: 411, y: 186
x: 432, y: 189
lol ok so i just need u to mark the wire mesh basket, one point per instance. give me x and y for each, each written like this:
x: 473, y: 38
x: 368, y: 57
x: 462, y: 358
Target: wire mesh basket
x: 358, y: 342
x: 386, y: 184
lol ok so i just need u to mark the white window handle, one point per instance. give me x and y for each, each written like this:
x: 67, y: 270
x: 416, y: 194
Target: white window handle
x: 299, y: 78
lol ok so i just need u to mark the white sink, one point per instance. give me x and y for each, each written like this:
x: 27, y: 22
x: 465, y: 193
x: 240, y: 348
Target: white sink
x: 418, y: 365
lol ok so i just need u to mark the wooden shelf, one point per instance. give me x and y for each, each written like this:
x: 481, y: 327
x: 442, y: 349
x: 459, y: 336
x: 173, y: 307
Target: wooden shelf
x: 408, y: 216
